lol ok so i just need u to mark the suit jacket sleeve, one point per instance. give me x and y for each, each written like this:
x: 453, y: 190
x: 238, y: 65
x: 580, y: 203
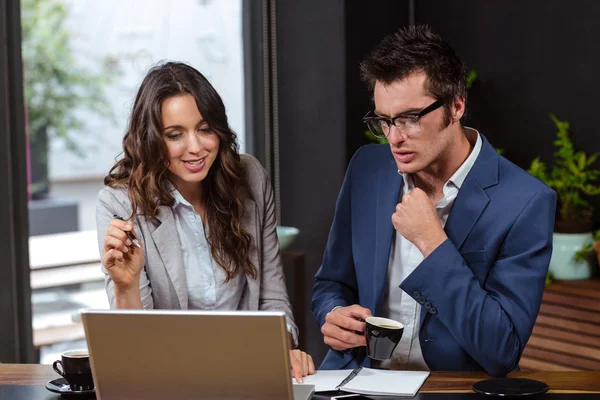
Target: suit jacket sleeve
x: 273, y: 291
x: 492, y: 323
x: 108, y: 205
x: 335, y: 281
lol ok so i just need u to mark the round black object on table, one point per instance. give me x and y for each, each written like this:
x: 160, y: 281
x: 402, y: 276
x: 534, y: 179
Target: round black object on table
x: 510, y: 387
x: 60, y: 385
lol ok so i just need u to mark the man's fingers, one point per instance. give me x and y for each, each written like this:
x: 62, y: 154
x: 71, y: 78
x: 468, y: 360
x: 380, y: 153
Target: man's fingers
x: 341, y: 327
x: 358, y: 311
x: 349, y: 338
x: 344, y: 321
x: 343, y: 335
x: 336, y: 344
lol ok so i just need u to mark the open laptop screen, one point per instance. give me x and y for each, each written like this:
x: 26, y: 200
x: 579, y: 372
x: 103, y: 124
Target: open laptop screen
x: 159, y: 354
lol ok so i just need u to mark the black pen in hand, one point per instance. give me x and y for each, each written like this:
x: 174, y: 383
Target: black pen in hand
x: 129, y: 234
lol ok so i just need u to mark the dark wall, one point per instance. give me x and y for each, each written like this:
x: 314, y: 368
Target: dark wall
x: 532, y: 58
x: 365, y: 26
x: 321, y: 102
x: 311, y: 70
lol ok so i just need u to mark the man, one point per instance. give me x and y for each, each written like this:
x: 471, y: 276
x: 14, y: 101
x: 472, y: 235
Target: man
x: 440, y: 233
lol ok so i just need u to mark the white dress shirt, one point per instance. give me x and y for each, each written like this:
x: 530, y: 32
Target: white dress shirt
x: 205, y: 278
x: 405, y: 257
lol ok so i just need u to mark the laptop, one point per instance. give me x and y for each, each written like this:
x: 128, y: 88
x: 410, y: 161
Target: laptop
x: 159, y: 354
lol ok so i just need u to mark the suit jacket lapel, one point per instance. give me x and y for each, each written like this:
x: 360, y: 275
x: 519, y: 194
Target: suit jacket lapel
x: 250, y: 222
x: 389, y: 182
x: 167, y: 242
x: 467, y: 208
x: 472, y: 199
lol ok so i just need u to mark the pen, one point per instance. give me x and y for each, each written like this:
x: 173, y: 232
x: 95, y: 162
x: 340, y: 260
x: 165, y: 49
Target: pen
x: 349, y: 377
x: 129, y: 234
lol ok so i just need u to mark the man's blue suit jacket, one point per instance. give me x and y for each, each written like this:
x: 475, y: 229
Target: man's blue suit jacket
x: 480, y: 290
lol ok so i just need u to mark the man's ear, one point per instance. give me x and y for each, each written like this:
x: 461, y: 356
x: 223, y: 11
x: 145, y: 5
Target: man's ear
x: 457, y: 109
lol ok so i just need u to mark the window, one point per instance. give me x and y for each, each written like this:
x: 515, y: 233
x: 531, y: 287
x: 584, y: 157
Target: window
x: 84, y: 60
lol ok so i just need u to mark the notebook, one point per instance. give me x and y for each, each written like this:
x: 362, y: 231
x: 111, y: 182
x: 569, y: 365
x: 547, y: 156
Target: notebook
x: 369, y: 381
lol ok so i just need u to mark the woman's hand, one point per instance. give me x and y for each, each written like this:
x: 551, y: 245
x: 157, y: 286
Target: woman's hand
x: 302, y: 364
x: 123, y: 260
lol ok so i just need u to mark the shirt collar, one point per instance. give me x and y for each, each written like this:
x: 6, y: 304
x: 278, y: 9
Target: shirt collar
x: 461, y: 173
x: 179, y: 200
x: 458, y: 178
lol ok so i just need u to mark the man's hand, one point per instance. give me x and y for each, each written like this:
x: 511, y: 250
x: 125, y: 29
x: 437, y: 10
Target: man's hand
x: 416, y: 219
x: 343, y: 328
x: 302, y: 364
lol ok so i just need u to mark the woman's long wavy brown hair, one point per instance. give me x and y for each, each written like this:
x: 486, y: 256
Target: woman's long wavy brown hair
x: 143, y: 169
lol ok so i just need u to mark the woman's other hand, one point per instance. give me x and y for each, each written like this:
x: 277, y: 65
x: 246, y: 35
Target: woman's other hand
x: 302, y: 364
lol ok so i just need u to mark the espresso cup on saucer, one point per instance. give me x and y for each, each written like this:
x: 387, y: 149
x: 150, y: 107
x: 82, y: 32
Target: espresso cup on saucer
x: 75, y: 368
x: 382, y: 335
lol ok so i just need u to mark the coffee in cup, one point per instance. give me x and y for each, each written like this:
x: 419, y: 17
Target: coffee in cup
x: 75, y: 368
x: 382, y: 335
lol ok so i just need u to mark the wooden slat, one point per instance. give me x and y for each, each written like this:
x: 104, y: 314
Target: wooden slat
x: 532, y: 364
x: 580, y: 283
x: 571, y: 362
x: 558, y: 332
x: 575, y: 291
x: 584, y: 303
x: 563, y: 347
x: 570, y: 313
x: 578, y: 291
x: 572, y: 326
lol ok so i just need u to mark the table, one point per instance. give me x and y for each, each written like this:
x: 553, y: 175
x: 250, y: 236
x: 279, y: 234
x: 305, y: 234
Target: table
x: 31, y: 378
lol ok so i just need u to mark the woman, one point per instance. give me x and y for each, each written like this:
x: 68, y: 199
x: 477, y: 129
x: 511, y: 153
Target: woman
x: 204, y: 214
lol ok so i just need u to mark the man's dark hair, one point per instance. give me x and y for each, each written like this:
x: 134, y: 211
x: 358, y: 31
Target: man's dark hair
x: 415, y: 49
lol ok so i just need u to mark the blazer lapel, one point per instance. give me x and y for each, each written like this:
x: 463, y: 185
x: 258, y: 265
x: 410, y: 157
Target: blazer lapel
x: 389, y: 182
x: 472, y: 199
x: 167, y: 242
x: 467, y: 208
x: 250, y: 222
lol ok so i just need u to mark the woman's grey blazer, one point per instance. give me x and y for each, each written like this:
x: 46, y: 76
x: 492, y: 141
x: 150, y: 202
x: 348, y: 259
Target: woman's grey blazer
x: 163, y: 281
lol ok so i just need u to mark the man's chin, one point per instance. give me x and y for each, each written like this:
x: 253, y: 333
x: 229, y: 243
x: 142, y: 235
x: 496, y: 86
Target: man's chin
x: 409, y: 168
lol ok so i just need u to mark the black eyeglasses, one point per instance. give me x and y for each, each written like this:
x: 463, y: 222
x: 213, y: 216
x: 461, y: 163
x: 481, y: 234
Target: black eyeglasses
x: 407, y: 123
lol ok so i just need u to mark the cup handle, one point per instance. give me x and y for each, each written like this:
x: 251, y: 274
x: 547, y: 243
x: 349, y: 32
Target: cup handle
x: 58, y: 371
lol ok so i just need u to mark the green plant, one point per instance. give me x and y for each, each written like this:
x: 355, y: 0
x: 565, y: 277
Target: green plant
x: 548, y: 278
x: 573, y: 177
x: 586, y: 251
x: 55, y: 86
x: 471, y: 78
